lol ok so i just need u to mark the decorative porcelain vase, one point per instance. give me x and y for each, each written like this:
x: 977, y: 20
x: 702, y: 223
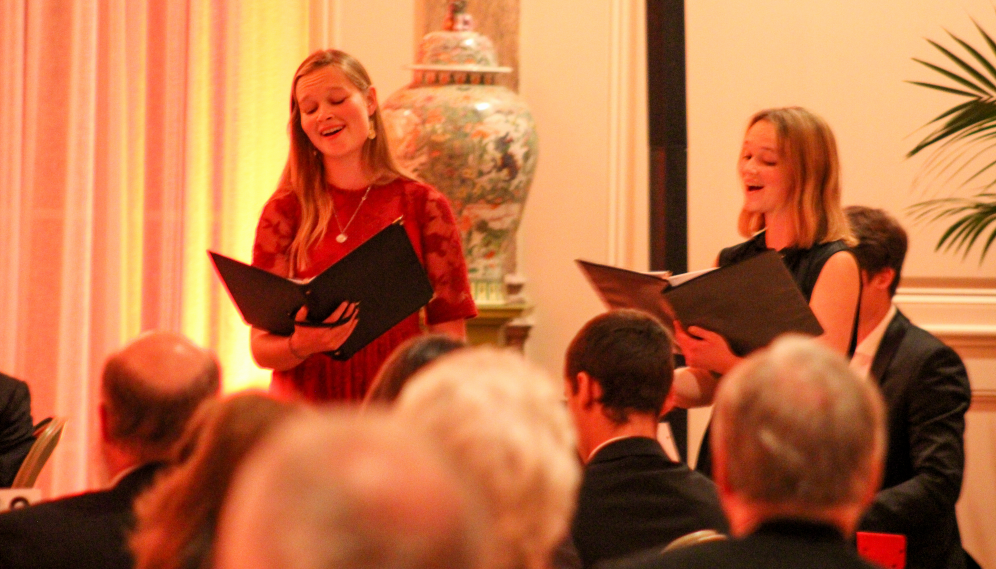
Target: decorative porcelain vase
x: 475, y: 141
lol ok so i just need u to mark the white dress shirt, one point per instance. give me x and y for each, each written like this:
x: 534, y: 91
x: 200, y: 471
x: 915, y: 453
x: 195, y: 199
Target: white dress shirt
x: 864, y: 354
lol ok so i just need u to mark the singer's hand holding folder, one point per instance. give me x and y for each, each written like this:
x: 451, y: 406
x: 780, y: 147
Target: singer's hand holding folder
x: 749, y: 303
x: 383, y: 275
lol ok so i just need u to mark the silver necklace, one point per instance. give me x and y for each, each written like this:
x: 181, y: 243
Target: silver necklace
x: 341, y: 238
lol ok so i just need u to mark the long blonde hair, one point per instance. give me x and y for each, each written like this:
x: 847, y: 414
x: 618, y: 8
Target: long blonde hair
x: 808, y: 146
x: 304, y: 173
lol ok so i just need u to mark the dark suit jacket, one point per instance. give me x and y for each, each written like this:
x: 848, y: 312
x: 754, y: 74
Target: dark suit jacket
x: 927, y: 394
x: 634, y: 497
x: 782, y: 544
x: 16, y: 427
x: 79, y: 532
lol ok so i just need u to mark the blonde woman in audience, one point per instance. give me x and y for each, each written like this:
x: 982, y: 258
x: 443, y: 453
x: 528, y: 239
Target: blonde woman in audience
x: 504, y: 423
x: 177, y: 517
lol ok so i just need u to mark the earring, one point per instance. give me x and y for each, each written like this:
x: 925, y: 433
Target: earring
x: 371, y: 129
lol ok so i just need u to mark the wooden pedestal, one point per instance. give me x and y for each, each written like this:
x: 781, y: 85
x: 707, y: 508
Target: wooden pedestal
x: 494, y: 325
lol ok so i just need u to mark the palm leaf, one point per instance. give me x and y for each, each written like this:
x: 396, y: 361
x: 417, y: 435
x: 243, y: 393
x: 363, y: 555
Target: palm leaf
x: 989, y: 242
x: 968, y: 68
x: 973, y: 216
x: 978, y: 56
x: 986, y: 86
x: 962, y: 139
x: 953, y: 76
x: 972, y: 115
x: 946, y: 89
x: 986, y: 36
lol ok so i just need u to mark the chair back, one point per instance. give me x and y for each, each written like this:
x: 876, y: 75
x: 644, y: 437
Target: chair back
x: 46, y: 437
x: 694, y: 538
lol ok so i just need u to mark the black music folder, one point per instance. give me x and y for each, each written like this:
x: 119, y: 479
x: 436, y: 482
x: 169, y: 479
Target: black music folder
x: 749, y: 303
x: 383, y: 275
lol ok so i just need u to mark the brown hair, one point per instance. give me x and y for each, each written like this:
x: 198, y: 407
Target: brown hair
x: 808, y: 146
x: 882, y: 242
x: 628, y: 353
x: 409, y: 357
x: 178, y: 516
x: 304, y: 173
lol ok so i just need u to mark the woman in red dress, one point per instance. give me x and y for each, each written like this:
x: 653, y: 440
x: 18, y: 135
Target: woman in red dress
x: 341, y: 186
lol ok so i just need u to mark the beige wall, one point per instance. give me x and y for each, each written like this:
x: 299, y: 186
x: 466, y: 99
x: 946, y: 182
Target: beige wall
x: 582, y: 73
x: 380, y: 33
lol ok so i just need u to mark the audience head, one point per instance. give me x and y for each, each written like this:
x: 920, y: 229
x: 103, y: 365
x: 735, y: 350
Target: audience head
x: 149, y: 391
x: 504, y: 424
x: 628, y: 354
x: 404, y: 361
x: 348, y: 491
x: 807, y: 146
x: 881, y: 244
x: 177, y: 518
x: 796, y: 433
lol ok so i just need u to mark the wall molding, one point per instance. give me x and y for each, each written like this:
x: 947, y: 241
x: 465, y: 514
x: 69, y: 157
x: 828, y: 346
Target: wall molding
x: 325, y: 19
x: 959, y: 311
x: 948, y: 283
x: 983, y: 400
x: 627, y: 184
x: 962, y: 314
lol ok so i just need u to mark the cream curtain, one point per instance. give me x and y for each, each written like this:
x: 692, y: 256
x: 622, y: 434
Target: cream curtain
x: 134, y: 135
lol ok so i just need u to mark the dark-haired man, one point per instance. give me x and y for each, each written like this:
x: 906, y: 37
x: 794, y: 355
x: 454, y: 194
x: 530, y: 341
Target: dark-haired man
x: 149, y: 391
x: 618, y: 372
x: 927, y: 393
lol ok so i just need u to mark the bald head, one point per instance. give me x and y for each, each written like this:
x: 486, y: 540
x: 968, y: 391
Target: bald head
x: 351, y: 492
x: 150, y: 389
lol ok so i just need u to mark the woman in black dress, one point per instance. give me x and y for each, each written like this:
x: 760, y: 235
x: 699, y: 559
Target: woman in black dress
x: 790, y: 177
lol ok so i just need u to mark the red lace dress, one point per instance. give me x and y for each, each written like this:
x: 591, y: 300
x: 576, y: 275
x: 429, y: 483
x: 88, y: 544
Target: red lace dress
x: 429, y: 222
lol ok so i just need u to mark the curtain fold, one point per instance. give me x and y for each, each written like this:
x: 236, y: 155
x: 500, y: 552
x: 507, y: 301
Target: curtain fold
x: 136, y: 134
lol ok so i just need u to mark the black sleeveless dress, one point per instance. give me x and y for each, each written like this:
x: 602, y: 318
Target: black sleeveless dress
x: 805, y: 266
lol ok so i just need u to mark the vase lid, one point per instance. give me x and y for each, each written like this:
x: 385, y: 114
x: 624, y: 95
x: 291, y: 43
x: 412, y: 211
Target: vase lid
x: 457, y: 47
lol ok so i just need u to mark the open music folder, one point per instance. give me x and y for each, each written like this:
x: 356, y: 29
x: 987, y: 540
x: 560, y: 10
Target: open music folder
x: 383, y: 275
x: 749, y: 303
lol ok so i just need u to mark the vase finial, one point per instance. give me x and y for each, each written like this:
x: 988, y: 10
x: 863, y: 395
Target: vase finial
x: 457, y: 18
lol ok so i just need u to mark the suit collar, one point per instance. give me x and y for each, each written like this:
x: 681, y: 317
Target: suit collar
x: 798, y: 527
x: 628, y: 446
x: 139, y: 478
x: 889, y: 345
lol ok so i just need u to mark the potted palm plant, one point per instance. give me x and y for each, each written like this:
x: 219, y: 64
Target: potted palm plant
x: 962, y: 141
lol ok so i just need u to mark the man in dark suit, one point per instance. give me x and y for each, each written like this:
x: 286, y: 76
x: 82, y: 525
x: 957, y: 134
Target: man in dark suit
x: 618, y: 373
x: 149, y: 390
x: 927, y: 393
x: 798, y: 441
x: 16, y: 427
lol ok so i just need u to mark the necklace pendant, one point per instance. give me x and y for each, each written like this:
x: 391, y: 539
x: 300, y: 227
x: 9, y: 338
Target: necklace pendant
x: 341, y: 238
